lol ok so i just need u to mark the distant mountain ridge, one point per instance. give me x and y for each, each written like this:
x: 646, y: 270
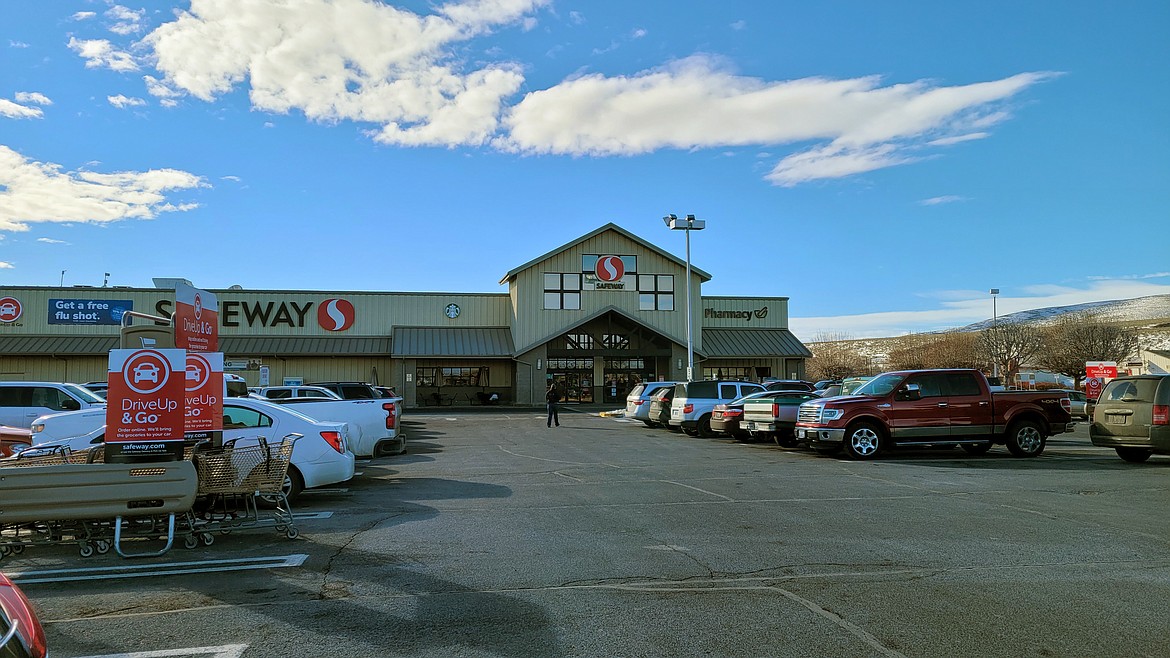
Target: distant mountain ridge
x: 1152, y: 311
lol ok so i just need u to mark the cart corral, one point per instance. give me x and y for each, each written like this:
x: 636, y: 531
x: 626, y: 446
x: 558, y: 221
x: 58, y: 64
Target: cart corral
x: 63, y: 497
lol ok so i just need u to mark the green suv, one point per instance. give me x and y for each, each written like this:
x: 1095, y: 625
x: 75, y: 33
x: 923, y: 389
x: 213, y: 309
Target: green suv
x: 1132, y: 416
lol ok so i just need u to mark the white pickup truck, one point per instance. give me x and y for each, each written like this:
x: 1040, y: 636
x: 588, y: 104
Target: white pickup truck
x: 373, y: 425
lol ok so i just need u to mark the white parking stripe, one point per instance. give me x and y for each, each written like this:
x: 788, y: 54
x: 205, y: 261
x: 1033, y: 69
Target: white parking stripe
x: 163, y: 569
x: 225, y: 651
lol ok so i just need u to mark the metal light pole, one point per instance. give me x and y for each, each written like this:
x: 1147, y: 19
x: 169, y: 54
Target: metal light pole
x: 689, y: 224
x: 995, y: 333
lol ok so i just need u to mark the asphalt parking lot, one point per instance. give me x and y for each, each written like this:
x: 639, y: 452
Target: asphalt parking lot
x: 495, y: 536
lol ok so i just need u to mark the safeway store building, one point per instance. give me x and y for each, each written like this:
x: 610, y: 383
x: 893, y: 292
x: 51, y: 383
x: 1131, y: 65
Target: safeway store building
x: 595, y: 316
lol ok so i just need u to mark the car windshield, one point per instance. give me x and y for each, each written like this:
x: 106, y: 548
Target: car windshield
x: 84, y: 394
x: 757, y: 394
x: 1132, y: 390
x: 879, y: 386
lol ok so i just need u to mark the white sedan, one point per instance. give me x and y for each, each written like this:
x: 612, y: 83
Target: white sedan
x: 320, y: 458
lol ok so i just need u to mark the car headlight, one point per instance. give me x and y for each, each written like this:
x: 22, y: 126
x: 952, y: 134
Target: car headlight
x: 37, y: 428
x: 832, y: 414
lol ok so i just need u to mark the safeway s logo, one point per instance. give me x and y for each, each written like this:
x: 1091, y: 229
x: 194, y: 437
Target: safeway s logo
x: 335, y: 314
x: 610, y: 268
x: 10, y: 309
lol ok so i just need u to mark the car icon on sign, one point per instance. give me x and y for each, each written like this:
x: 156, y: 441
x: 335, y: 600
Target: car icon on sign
x: 145, y: 371
x: 8, y: 309
x: 192, y: 372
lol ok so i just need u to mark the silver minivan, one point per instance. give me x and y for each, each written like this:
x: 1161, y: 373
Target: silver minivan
x: 23, y: 402
x: 694, y: 401
x: 1132, y: 416
x: 639, y: 400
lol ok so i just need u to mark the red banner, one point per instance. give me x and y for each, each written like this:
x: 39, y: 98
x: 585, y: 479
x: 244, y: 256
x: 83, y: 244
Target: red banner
x: 145, y: 400
x: 196, y: 319
x: 204, y: 398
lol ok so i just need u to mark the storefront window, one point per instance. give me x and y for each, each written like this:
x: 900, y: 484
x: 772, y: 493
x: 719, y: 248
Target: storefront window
x: 655, y: 292
x: 615, y: 341
x: 562, y: 291
x: 579, y: 341
x: 570, y: 364
x: 730, y: 372
x: 475, y: 376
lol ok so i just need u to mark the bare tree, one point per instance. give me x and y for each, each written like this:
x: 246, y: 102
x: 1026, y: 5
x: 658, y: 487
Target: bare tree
x: 1079, y: 337
x: 1009, y: 345
x: 909, y: 352
x: 835, y: 356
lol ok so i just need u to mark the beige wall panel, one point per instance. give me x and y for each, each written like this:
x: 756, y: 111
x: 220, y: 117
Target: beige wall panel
x: 534, y: 323
x: 76, y: 369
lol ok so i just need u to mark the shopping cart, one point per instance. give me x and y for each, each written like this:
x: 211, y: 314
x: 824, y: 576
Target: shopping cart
x: 231, y: 481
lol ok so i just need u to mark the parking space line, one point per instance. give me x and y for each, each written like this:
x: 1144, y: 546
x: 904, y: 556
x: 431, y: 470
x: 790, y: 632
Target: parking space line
x: 225, y: 651
x: 162, y: 569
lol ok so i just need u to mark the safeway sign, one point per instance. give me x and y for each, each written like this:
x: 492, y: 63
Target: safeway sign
x: 145, y: 415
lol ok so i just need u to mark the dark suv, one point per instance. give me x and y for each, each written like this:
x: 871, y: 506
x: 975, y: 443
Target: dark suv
x: 351, y: 390
x: 1132, y: 416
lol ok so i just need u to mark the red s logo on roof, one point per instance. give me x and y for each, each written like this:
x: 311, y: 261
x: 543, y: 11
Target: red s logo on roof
x: 610, y: 268
x: 335, y: 314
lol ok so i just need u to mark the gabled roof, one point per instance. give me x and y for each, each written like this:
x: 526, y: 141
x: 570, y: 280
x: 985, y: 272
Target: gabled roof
x: 608, y: 227
x: 592, y: 316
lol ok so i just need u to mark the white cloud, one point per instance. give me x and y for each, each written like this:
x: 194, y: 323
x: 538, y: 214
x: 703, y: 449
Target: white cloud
x: 639, y: 33
x: 32, y: 97
x: 346, y: 60
x: 960, y: 308
x: 35, y: 192
x: 100, y: 53
x: 739, y: 25
x: 6, y: 266
x: 17, y: 111
x: 121, y: 101
x: 1155, y: 275
x: 869, y: 126
x: 83, y: 15
x: 126, y: 20
x: 938, y: 200
x: 51, y: 241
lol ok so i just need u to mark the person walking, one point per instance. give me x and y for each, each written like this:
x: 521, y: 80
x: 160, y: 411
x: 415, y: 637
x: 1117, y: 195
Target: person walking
x: 552, y: 397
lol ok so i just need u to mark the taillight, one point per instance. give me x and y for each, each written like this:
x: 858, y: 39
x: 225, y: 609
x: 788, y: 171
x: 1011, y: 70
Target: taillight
x: 638, y: 403
x: 334, y: 439
x: 733, y: 413
x: 1066, y: 404
x: 25, y: 622
x: 688, y: 408
x: 775, y: 409
x: 1162, y: 414
x: 391, y: 417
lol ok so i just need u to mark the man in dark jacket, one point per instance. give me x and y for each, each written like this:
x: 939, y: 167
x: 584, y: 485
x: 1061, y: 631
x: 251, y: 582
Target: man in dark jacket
x: 553, y: 397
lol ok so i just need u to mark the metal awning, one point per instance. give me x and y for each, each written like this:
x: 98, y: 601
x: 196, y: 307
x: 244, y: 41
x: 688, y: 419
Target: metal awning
x: 729, y: 343
x: 60, y: 345
x: 453, y: 342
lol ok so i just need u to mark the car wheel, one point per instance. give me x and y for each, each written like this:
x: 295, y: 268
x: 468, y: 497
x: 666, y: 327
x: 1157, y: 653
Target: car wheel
x: 1134, y: 455
x: 294, y: 484
x: 976, y: 448
x: 1025, y: 439
x: 864, y: 441
x: 704, y: 427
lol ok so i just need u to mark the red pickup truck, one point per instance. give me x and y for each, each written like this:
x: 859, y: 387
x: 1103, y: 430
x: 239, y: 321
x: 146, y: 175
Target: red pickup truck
x: 933, y: 408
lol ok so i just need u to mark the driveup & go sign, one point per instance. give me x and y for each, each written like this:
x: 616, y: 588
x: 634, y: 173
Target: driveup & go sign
x: 145, y: 417
x: 203, y: 381
x: 196, y: 319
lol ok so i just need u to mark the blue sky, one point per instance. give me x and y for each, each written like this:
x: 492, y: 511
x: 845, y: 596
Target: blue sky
x: 883, y: 165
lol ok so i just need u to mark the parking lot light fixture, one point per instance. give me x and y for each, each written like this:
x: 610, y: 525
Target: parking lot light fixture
x: 689, y: 224
x: 995, y: 334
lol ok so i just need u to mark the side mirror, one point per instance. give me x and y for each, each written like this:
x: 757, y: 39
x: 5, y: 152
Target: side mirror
x: 910, y: 392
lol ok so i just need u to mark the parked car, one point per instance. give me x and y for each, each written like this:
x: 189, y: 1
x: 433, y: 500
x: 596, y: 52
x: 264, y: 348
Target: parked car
x: 97, y: 388
x: 22, y: 402
x: 13, y: 440
x: 694, y: 401
x: 825, y: 383
x: 773, y: 415
x: 1132, y: 416
x: 21, y: 633
x: 1082, y: 406
x: 322, y: 457
x: 830, y: 391
x: 788, y: 385
x: 283, y: 392
x: 851, y: 384
x: 641, y: 397
x: 933, y: 408
x: 659, y: 415
x: 726, y: 418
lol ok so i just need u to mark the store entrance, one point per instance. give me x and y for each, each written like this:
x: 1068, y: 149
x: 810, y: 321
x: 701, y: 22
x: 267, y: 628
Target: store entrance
x: 621, y: 376
x: 574, y: 386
